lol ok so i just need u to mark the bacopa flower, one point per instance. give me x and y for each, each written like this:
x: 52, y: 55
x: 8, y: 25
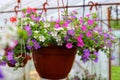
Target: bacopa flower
x: 42, y: 38
x: 69, y: 45
x: 36, y: 44
x: 13, y: 19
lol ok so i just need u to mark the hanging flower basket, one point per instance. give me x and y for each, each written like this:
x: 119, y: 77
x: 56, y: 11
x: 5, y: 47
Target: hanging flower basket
x: 54, y: 62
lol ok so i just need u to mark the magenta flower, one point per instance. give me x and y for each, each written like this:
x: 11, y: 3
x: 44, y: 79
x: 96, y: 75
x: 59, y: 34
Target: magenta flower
x: 90, y: 22
x: 80, y: 38
x: 32, y: 17
x: 69, y: 45
x: 65, y: 24
x: 83, y: 28
x: 89, y: 34
x: 80, y: 44
x: 81, y: 21
x: 57, y: 25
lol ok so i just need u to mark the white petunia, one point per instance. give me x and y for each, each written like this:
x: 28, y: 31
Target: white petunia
x: 42, y: 38
x: 32, y: 23
x: 36, y: 32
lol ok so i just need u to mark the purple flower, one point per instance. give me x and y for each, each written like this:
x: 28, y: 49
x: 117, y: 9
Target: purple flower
x: 27, y: 28
x: 89, y: 34
x: 37, y: 19
x: 96, y: 53
x: 86, y: 55
x: 90, y: 22
x: 96, y: 59
x: 106, y: 35
x: 10, y: 55
x: 83, y: 28
x: 66, y: 38
x: 13, y: 62
x: 36, y: 44
x: 71, y: 32
x: 29, y: 33
x: 88, y: 15
x: 29, y: 44
x: 69, y: 45
x: 1, y: 74
x: 2, y: 63
x: 32, y: 17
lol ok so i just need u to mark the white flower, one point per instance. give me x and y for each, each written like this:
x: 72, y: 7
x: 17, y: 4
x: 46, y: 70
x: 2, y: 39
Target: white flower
x: 32, y: 23
x: 36, y: 32
x: 42, y: 38
x: 54, y: 34
x: 46, y: 25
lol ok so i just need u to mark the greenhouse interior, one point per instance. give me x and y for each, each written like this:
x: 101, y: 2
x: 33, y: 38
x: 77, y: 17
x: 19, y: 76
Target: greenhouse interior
x: 33, y: 34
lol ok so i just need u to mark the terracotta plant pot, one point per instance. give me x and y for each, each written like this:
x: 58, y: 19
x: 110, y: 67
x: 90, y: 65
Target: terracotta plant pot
x: 54, y: 62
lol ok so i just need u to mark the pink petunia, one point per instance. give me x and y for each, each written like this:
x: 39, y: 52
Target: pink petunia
x: 80, y: 38
x: 57, y: 25
x: 83, y: 28
x: 65, y: 24
x: 69, y: 45
x: 80, y: 44
x: 89, y: 34
x: 90, y: 22
x: 81, y: 21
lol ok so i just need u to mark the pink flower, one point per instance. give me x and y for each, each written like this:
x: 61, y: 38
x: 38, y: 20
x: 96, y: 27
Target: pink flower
x: 80, y: 38
x: 90, y: 22
x: 65, y: 24
x: 83, y: 28
x: 69, y: 45
x: 80, y: 44
x: 57, y: 25
x: 89, y: 34
x: 88, y: 15
x: 81, y: 21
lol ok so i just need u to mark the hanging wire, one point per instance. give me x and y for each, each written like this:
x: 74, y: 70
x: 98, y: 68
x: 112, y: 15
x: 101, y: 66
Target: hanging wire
x: 58, y: 9
x: 83, y: 8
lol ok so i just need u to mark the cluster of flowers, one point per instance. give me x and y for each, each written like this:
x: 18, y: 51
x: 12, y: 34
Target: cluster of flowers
x: 82, y: 33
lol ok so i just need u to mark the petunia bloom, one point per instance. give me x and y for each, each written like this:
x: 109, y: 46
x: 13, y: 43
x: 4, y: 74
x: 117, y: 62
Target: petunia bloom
x: 69, y: 45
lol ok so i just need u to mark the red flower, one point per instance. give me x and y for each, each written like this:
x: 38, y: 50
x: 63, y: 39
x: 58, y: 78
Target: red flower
x: 13, y: 19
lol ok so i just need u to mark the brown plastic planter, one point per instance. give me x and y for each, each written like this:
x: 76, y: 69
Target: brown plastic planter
x: 54, y: 62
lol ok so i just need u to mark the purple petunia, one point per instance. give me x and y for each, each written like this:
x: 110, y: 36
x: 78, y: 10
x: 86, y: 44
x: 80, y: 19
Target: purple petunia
x: 2, y: 63
x: 71, y: 32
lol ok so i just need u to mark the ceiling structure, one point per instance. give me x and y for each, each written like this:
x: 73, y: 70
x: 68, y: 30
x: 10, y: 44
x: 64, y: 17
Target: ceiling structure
x: 10, y: 4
